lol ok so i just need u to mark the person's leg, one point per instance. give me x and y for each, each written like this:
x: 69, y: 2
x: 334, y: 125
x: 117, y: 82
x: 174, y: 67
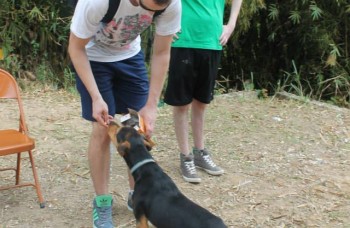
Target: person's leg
x: 131, y: 181
x: 98, y: 149
x: 99, y: 158
x: 99, y: 162
x: 197, y: 123
x: 188, y: 169
x: 131, y: 88
x: 207, y: 68
x: 180, y: 116
x: 129, y: 203
x: 179, y: 94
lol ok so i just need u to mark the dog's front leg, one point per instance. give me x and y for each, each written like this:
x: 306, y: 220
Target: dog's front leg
x: 142, y: 222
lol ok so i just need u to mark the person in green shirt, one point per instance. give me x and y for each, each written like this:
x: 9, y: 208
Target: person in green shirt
x: 195, y: 58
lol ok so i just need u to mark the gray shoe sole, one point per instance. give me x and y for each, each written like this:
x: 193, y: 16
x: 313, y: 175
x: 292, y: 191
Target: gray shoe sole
x: 192, y: 180
x: 211, y: 172
x: 130, y: 208
x: 96, y: 226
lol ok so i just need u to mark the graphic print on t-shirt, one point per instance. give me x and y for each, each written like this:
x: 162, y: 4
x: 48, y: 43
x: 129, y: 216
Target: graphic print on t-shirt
x: 121, y: 32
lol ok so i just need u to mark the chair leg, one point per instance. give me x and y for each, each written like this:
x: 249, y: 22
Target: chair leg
x: 36, y: 179
x: 18, y: 169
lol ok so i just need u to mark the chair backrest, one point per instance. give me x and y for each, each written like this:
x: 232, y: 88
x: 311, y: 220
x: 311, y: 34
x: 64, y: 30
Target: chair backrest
x: 8, y: 85
x: 9, y: 89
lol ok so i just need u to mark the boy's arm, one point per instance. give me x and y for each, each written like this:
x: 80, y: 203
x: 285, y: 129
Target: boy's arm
x: 82, y: 66
x: 230, y: 27
x: 159, y: 68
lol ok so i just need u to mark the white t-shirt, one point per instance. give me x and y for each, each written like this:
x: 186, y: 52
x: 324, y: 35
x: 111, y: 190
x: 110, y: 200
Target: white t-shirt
x: 120, y: 38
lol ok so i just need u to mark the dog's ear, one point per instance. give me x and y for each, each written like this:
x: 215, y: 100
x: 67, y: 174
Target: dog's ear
x: 133, y: 113
x: 123, y: 148
x: 134, y: 117
x: 137, y: 120
x: 131, y: 119
x: 114, y: 126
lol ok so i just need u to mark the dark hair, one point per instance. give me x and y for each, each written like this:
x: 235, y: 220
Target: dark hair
x: 162, y: 2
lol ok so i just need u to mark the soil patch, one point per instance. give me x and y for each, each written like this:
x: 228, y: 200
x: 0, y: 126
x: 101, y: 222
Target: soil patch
x: 287, y: 164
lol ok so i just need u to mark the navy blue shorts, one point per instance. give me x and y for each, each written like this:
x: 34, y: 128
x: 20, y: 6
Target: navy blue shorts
x: 192, y: 75
x: 123, y: 84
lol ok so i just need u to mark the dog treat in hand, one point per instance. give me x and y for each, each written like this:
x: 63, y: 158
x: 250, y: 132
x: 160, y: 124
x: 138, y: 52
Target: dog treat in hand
x: 133, y: 119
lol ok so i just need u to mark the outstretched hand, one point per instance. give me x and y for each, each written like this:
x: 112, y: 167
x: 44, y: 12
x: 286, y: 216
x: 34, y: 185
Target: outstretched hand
x: 100, y: 112
x: 149, y: 116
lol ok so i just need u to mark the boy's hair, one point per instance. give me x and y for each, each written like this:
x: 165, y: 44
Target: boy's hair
x: 162, y: 2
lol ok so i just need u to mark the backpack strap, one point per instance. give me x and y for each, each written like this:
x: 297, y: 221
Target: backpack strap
x: 113, y: 6
x: 158, y: 12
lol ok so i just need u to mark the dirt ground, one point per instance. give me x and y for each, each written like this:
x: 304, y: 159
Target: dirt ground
x: 287, y: 164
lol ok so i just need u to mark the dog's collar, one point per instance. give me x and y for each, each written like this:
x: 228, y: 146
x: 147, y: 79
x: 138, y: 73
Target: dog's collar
x: 141, y: 163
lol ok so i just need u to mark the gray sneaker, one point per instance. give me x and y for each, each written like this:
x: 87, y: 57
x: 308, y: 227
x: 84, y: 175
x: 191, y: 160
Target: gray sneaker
x: 203, y: 160
x: 130, y: 202
x: 102, y: 212
x: 188, y: 169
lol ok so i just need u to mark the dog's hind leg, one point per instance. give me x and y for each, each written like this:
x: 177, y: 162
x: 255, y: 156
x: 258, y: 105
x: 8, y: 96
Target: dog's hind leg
x: 142, y: 222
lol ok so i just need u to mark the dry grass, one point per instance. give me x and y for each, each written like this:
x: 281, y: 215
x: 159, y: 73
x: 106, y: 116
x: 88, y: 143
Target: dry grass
x: 287, y: 164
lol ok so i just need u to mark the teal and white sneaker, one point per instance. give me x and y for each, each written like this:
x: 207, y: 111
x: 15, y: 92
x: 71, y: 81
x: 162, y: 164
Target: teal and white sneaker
x: 102, y: 212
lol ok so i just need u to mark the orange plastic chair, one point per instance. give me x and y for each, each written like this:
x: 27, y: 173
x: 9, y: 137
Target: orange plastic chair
x: 17, y: 141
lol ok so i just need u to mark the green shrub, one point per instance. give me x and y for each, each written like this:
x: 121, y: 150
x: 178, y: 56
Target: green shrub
x: 273, y: 39
x: 33, y: 34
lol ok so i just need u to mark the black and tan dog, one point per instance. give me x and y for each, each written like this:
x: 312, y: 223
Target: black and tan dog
x: 156, y: 197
